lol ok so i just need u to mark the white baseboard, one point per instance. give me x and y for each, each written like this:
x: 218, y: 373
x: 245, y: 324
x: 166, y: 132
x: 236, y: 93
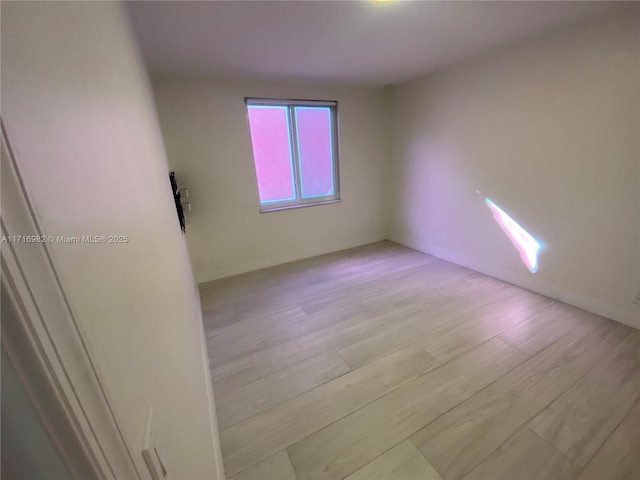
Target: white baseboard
x: 291, y: 256
x: 630, y: 316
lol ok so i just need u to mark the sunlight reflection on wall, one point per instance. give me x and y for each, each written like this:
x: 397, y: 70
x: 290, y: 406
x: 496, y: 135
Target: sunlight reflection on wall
x: 528, y: 246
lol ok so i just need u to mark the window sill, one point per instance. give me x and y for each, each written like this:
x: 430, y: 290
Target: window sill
x: 301, y: 205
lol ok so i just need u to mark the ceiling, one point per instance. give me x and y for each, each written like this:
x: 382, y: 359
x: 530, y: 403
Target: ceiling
x: 348, y: 42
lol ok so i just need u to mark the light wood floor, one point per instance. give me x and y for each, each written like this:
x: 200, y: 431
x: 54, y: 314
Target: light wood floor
x: 381, y: 362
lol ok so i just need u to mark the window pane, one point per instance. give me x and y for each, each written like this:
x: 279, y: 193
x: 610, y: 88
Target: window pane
x: 271, y: 153
x: 313, y: 128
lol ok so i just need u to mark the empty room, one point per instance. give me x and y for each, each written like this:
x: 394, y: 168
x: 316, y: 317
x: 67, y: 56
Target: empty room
x: 308, y: 240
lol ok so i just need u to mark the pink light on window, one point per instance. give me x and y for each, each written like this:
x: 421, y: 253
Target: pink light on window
x: 528, y: 246
x: 313, y: 126
x: 269, y: 127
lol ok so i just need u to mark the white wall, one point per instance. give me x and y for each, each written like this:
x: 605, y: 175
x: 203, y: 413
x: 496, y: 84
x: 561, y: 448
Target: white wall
x: 207, y: 138
x: 549, y: 130
x: 79, y: 113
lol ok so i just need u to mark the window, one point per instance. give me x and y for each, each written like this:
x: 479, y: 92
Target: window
x: 295, y: 152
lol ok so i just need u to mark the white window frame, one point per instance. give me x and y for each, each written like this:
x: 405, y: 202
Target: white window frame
x: 299, y: 201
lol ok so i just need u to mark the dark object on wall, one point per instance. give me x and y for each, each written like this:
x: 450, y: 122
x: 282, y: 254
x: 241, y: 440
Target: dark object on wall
x: 176, y: 198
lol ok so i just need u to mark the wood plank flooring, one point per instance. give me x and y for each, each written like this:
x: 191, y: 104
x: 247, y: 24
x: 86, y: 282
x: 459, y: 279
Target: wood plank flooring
x: 380, y: 362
